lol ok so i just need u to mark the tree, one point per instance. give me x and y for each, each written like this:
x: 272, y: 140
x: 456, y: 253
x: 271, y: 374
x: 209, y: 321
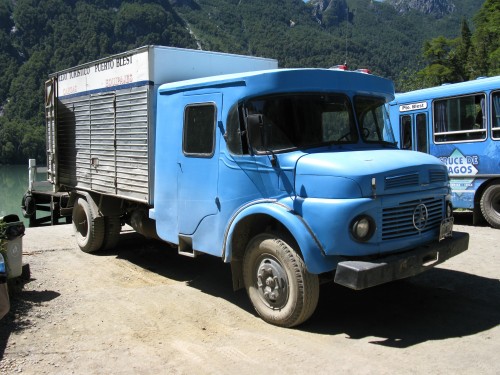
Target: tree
x: 460, y: 58
x: 468, y: 56
x: 439, y: 53
x: 485, y: 59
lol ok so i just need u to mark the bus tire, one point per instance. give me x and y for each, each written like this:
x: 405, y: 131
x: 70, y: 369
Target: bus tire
x: 88, y: 227
x: 490, y: 205
x: 278, y: 284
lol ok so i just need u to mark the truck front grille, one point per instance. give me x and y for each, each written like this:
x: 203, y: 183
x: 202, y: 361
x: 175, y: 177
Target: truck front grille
x: 407, y: 218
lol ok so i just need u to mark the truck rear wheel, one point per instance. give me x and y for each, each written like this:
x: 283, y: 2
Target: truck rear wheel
x: 88, y: 227
x: 112, y: 229
x: 490, y: 205
x: 282, y: 291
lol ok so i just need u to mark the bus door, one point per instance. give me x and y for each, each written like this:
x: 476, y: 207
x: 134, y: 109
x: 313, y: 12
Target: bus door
x: 413, y: 131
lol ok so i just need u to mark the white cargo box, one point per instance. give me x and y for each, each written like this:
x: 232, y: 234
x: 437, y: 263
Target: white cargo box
x: 100, y: 115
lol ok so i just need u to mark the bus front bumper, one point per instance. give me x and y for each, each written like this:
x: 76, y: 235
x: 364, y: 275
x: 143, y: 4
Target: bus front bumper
x: 364, y: 274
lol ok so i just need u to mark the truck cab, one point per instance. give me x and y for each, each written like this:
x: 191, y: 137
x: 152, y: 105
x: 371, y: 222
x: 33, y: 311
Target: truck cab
x: 291, y: 174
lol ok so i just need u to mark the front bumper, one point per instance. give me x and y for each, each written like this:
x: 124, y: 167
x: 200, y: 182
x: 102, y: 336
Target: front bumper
x: 364, y: 274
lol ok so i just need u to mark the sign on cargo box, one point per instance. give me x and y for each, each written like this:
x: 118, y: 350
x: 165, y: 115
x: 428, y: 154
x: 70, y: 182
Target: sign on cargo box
x: 102, y: 74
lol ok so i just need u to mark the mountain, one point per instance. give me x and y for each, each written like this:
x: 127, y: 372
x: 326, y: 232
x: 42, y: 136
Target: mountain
x: 385, y: 36
x: 436, y: 8
x: 39, y: 37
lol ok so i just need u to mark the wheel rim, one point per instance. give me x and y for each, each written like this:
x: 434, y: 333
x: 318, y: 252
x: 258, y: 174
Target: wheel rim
x: 495, y: 202
x: 272, y: 283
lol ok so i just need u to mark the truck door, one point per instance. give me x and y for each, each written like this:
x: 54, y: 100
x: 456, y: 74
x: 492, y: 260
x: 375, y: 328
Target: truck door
x: 413, y: 131
x: 197, y: 176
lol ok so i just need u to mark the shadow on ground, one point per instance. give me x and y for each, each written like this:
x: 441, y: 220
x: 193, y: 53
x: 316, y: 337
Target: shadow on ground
x: 206, y: 273
x: 17, y: 319
x: 436, y: 305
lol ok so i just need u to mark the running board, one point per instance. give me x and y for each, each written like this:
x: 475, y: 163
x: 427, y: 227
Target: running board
x: 186, y: 247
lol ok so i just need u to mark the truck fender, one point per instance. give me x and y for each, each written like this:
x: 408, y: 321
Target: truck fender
x: 100, y: 205
x: 90, y: 200
x: 310, y: 248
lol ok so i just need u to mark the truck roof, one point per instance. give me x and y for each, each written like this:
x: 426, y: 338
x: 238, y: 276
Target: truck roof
x: 290, y: 80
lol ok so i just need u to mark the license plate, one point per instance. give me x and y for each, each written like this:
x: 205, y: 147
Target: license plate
x: 446, y: 229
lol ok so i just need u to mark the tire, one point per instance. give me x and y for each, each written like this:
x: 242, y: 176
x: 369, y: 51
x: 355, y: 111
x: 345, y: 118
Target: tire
x: 28, y: 206
x: 280, y: 288
x: 87, y: 226
x: 112, y: 229
x: 490, y: 205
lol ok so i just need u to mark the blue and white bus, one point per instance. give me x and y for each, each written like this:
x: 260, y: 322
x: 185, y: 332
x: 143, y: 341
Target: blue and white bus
x: 460, y: 124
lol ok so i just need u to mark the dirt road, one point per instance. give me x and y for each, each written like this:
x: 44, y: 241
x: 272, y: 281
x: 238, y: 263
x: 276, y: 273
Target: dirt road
x: 142, y: 309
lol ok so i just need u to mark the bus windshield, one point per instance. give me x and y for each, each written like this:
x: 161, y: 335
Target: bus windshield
x: 311, y: 120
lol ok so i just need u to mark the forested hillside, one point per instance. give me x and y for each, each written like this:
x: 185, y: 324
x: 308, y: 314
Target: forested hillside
x: 40, y: 37
x: 378, y: 35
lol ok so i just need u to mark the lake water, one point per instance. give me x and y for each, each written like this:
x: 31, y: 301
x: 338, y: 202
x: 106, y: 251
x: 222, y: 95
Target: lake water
x: 13, y: 185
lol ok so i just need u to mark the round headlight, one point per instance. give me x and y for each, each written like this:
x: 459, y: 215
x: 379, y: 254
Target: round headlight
x: 362, y: 228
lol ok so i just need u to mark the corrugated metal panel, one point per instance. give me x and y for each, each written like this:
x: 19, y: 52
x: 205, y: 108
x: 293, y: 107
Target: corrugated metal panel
x: 103, y: 142
x: 132, y: 161
x: 73, y: 139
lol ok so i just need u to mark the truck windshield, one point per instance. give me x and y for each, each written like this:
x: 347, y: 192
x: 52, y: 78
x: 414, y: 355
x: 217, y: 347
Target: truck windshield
x: 299, y: 121
x: 312, y: 120
x: 373, y: 120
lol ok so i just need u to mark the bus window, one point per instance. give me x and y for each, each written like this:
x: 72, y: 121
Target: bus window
x: 406, y: 132
x: 495, y: 112
x: 422, y: 133
x: 460, y: 119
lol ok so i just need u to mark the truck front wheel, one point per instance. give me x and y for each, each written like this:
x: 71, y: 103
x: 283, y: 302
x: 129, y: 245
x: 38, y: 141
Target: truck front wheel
x: 88, y: 228
x: 490, y: 205
x: 281, y: 289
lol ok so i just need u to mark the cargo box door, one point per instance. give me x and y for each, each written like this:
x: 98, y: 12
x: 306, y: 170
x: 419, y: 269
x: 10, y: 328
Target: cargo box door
x: 103, y: 143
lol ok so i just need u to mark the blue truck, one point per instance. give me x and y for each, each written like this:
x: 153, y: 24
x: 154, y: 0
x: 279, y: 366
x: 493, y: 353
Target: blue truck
x: 290, y: 175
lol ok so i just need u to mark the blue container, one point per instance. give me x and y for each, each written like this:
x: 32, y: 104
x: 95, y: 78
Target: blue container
x: 4, y: 292
x: 3, y: 272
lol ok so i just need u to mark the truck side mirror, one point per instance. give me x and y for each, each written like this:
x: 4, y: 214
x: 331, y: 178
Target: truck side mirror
x: 259, y: 135
x: 255, y: 129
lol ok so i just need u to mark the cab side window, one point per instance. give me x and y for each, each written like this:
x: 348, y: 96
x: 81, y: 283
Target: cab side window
x: 236, y: 134
x: 199, y: 130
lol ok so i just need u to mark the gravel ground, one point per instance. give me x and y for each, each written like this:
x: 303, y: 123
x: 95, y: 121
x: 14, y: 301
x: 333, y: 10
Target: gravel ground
x: 143, y: 309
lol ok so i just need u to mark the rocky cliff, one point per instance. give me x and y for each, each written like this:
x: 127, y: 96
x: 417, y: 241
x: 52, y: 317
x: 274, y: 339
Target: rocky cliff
x: 331, y: 12
x: 437, y: 8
